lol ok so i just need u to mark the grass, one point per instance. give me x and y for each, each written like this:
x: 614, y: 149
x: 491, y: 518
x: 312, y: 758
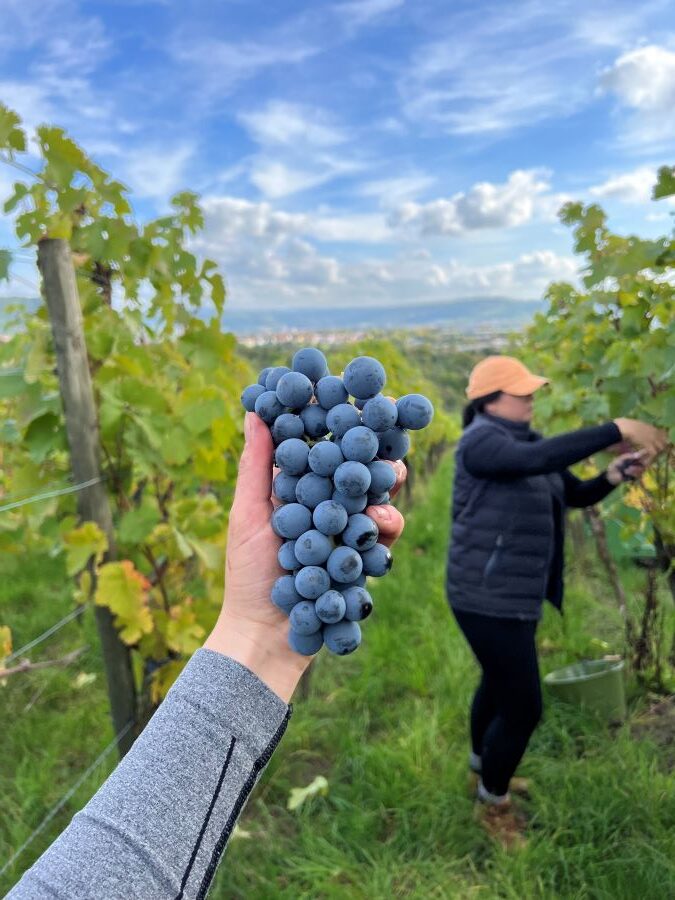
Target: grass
x: 388, y: 729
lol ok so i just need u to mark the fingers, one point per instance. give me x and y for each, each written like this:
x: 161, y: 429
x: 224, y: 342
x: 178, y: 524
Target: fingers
x: 401, y: 475
x: 254, y: 479
x: 389, y: 521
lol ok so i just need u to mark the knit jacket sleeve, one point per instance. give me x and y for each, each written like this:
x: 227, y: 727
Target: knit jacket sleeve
x: 158, y: 826
x: 580, y: 493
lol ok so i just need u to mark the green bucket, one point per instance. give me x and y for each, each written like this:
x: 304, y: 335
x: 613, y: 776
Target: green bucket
x: 597, y: 684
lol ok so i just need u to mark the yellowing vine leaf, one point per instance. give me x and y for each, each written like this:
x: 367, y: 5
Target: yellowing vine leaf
x: 124, y: 590
x: 82, y: 543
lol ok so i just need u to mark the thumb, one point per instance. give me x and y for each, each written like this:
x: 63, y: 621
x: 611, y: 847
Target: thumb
x: 254, y: 478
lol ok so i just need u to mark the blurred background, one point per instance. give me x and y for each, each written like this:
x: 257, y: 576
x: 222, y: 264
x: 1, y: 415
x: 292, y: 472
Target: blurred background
x: 223, y: 184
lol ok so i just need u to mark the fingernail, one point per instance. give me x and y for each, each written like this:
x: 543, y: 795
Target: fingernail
x: 248, y: 428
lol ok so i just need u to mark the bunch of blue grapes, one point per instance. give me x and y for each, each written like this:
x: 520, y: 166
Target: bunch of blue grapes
x: 332, y: 456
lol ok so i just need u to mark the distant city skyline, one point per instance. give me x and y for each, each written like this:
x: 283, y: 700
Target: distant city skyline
x: 359, y: 152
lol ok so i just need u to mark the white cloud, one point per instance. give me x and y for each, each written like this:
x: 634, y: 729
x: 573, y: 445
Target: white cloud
x: 362, y: 12
x: 291, y: 124
x: 629, y: 187
x: 276, y: 179
x: 644, y: 79
x: 157, y: 171
x: 485, y: 205
x: 391, y: 191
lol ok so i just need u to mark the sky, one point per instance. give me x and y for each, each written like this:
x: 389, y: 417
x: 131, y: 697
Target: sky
x: 362, y: 151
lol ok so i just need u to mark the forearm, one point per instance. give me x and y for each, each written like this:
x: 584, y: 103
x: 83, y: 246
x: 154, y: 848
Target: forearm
x: 589, y: 492
x: 159, y: 825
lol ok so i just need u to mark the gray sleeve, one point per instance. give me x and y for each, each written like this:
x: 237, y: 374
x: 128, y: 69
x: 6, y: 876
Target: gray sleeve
x: 158, y: 826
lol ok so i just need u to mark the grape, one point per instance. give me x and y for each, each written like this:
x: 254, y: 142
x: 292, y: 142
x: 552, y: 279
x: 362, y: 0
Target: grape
x: 274, y: 376
x: 314, y: 419
x: 331, y: 607
x: 306, y: 644
x: 359, y: 404
x: 291, y: 456
x: 341, y: 418
x: 364, y: 377
x: 268, y: 407
x: 351, y: 504
x: 286, y: 556
x: 311, y: 362
x: 304, y: 619
x: 311, y: 582
x: 380, y: 413
x: 379, y: 499
x: 394, y: 444
x: 262, y: 378
x: 344, y: 565
x: 324, y: 458
x: 291, y: 520
x: 294, y: 390
x: 377, y: 561
x: 352, y: 478
x: 361, y: 533
x: 358, y: 603
x: 249, y: 395
x: 360, y: 444
x: 382, y: 476
x: 284, y: 487
x: 414, y: 411
x: 284, y: 594
x: 313, y: 489
x: 287, y: 426
x: 330, y: 517
x: 330, y: 391
x: 312, y: 548
x: 360, y: 581
x: 342, y: 638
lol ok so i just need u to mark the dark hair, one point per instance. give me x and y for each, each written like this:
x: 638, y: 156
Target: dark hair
x: 477, y: 405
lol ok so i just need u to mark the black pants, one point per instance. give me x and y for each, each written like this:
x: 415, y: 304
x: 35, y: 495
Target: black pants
x: 507, y: 705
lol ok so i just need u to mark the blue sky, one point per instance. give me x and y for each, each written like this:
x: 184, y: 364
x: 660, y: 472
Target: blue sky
x: 365, y: 151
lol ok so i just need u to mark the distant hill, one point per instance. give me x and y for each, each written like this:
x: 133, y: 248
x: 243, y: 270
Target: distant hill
x: 498, y: 313
x: 463, y: 315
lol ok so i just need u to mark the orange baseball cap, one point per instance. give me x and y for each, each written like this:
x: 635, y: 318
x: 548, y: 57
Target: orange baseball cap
x: 502, y: 373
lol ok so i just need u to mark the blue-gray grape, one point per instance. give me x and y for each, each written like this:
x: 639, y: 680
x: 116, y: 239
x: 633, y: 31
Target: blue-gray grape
x: 360, y: 444
x: 414, y: 411
x: 379, y: 499
x: 341, y: 418
x: 330, y: 391
x: 284, y: 487
x: 312, y: 548
x: 379, y: 413
x: 306, y: 644
x: 274, y: 376
x: 324, y: 458
x: 330, y: 517
x: 291, y: 456
x: 287, y: 558
x: 394, y: 444
x: 351, y: 504
x: 304, y: 619
x: 249, y: 395
x: 344, y: 565
x: 377, y: 561
x: 352, y: 479
x: 284, y: 594
x: 361, y: 533
x: 291, y: 520
x: 311, y: 362
x: 382, y: 476
x: 294, y: 390
x: 313, y: 489
x: 359, y: 404
x: 268, y: 407
x: 287, y: 426
x: 331, y: 607
x: 342, y: 638
x: 262, y: 378
x: 314, y: 419
x: 312, y: 581
x: 358, y: 603
x: 364, y: 377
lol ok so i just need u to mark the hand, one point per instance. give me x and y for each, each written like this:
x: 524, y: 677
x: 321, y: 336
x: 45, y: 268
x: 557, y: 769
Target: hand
x: 250, y: 629
x: 639, y: 462
x: 640, y: 434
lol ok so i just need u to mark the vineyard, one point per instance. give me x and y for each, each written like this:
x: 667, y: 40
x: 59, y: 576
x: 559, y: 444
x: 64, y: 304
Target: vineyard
x: 115, y: 487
